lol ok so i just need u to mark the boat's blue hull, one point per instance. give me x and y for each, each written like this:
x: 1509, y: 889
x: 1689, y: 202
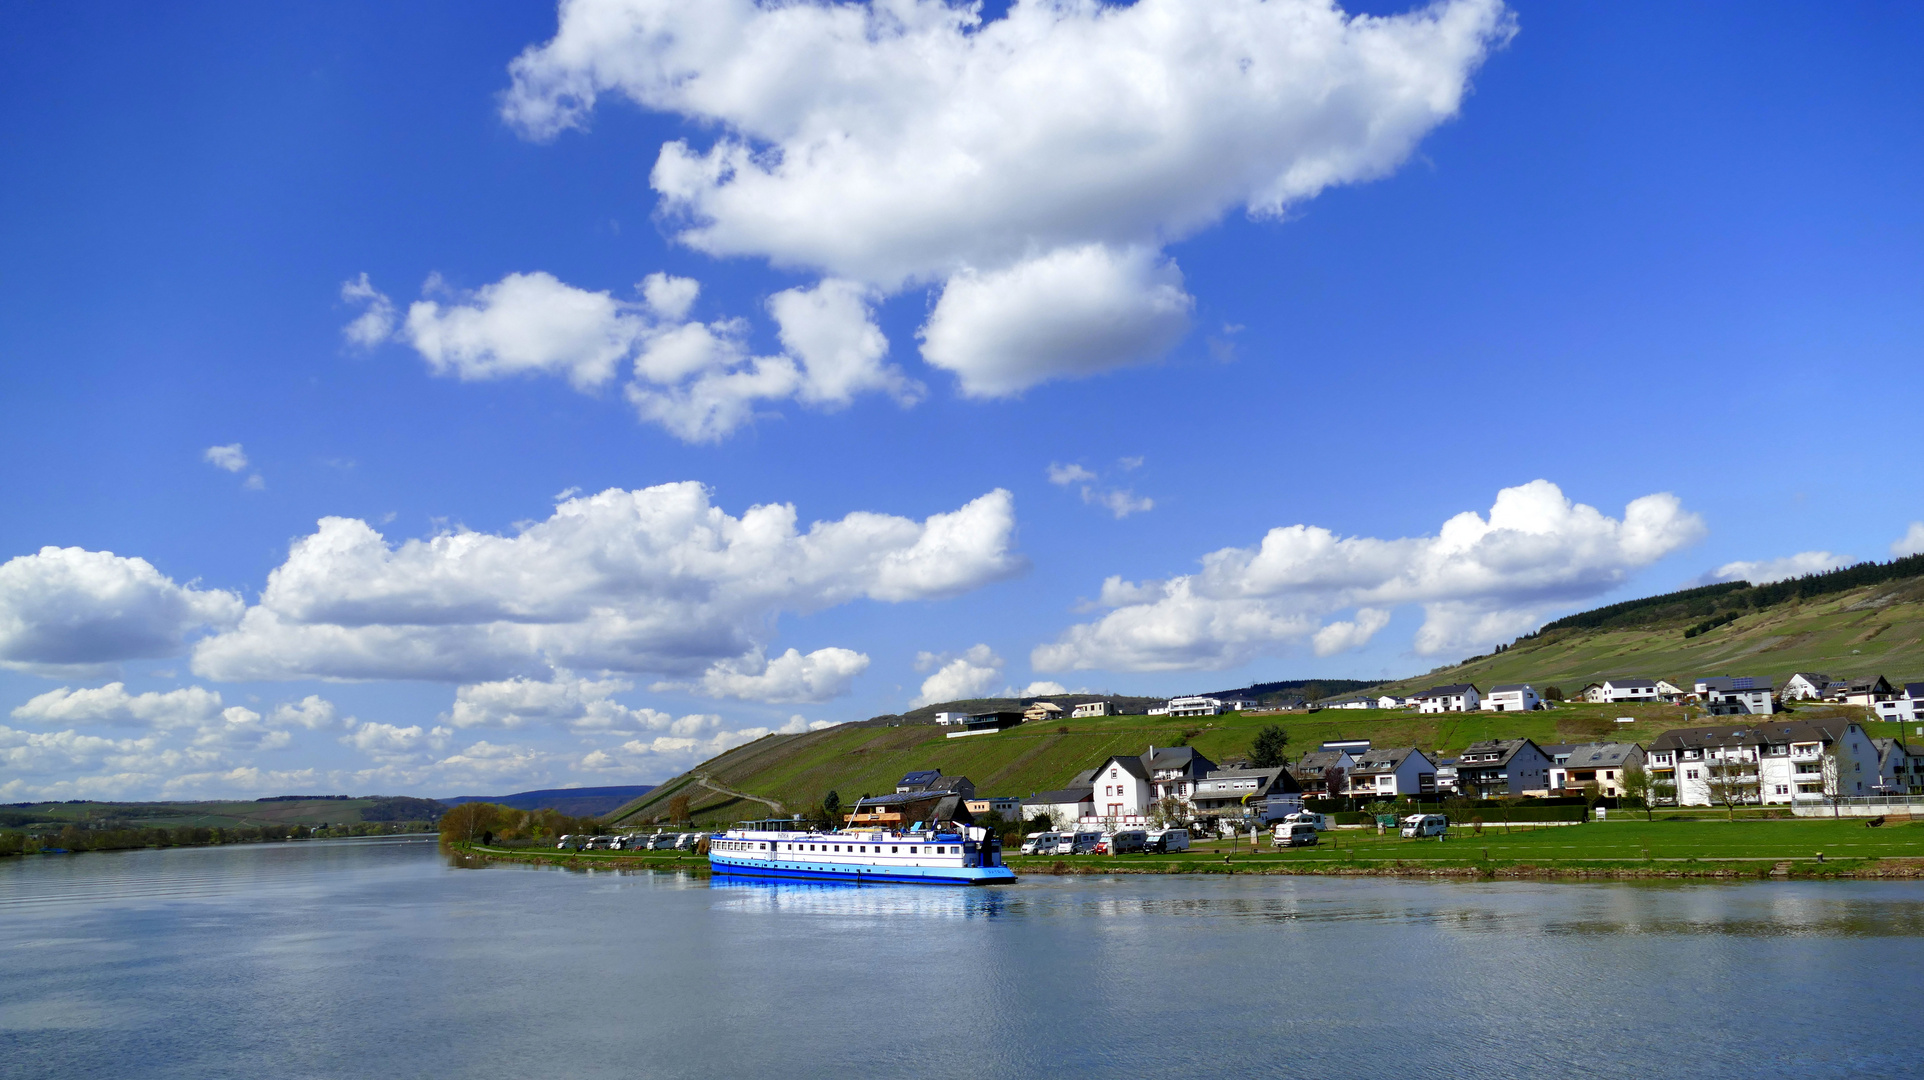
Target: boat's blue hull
x: 907, y: 875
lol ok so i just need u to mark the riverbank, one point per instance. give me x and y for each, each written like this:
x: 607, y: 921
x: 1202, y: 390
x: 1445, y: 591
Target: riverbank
x: 1724, y: 850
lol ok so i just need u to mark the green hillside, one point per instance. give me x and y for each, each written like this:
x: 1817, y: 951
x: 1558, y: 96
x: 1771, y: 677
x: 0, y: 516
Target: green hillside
x: 797, y: 771
x: 219, y: 815
x: 1875, y: 629
x: 1862, y: 620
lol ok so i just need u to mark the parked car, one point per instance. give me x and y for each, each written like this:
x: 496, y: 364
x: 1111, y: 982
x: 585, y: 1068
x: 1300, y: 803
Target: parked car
x: 1293, y: 834
x: 1040, y: 843
x: 1419, y: 825
x: 1163, y: 841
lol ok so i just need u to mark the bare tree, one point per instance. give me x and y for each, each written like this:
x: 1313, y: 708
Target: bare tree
x: 1636, y: 783
x: 1730, y: 780
x: 1334, y: 779
x: 1834, y: 769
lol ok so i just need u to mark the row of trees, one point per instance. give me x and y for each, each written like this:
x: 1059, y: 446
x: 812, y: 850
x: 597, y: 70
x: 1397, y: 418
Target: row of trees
x: 82, y: 838
x: 486, y: 823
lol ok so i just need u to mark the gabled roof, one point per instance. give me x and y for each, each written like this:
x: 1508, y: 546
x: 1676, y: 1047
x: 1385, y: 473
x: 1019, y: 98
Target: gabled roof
x: 1811, y: 677
x: 1914, y: 690
x: 1875, y: 682
x: 918, y: 777
x: 1269, y: 782
x: 1765, y: 734
x: 1386, y: 759
x: 1609, y: 755
x: 1175, y: 757
x: 1505, y: 749
x: 1636, y: 680
x: 1131, y: 764
x: 1076, y: 794
x: 1318, y: 760
x: 1451, y: 690
x: 1552, y: 749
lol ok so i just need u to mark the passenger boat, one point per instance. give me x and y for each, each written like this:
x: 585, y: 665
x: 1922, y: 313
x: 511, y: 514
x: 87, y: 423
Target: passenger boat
x: 957, y: 855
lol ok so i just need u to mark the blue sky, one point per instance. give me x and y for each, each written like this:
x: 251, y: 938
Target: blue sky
x: 1014, y: 330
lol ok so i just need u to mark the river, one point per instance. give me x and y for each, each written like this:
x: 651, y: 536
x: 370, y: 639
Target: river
x: 377, y: 958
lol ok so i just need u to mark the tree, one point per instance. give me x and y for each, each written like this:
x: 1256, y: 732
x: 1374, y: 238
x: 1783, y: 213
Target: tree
x: 1636, y: 783
x: 1552, y: 693
x: 1168, y: 811
x: 1333, y: 781
x: 1834, y: 769
x: 832, y: 806
x: 1271, y: 748
x: 466, y: 822
x: 1730, y: 780
x: 678, y: 808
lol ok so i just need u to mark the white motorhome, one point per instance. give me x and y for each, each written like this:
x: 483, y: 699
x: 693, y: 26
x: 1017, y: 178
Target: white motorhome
x: 1293, y: 834
x: 1039, y: 843
x: 1420, y: 825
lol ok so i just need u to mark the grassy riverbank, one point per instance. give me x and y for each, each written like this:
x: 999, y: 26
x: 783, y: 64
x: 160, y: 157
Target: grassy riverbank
x: 1804, y: 848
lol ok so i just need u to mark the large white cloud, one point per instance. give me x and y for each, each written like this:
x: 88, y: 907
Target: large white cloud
x: 906, y: 141
x: 68, y: 607
x: 973, y: 674
x: 656, y: 580
x: 791, y: 678
x: 1479, y: 580
x: 697, y: 380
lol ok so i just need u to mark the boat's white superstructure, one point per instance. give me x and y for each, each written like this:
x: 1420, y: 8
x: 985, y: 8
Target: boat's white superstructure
x: 952, y: 856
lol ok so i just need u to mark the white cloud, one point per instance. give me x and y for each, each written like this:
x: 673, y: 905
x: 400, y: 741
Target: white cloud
x: 1479, y: 580
x: 313, y: 712
x: 970, y: 675
x: 376, y: 320
x: 1118, y: 501
x: 657, y: 580
x: 1911, y: 543
x: 1064, y: 314
x: 907, y: 141
x: 695, y: 379
x: 792, y: 677
x: 1765, y: 571
x: 565, y: 700
x: 230, y: 457
x: 391, y: 742
x: 1345, y: 635
x: 832, y: 331
x: 1039, y: 688
x: 75, y: 609
x: 190, y: 706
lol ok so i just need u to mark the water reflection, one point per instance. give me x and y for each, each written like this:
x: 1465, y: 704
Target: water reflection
x: 864, y: 900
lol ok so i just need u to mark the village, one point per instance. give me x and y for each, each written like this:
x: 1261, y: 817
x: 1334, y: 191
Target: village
x: 1752, y: 751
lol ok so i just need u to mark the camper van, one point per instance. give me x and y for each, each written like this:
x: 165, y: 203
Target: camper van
x: 1293, y: 834
x: 1419, y: 825
x: 1039, y: 843
x: 1321, y: 822
x: 1163, y: 841
x: 1122, y: 842
x: 1081, y: 843
x: 689, y: 841
x: 663, y: 841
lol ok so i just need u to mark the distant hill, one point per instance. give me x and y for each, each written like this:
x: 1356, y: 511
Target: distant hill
x: 575, y: 802
x: 1862, y: 620
x: 311, y: 810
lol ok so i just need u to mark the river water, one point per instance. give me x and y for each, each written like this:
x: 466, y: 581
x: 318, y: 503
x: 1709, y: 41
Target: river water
x: 378, y: 958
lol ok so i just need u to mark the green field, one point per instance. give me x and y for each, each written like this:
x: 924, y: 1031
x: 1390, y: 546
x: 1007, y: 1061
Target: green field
x: 1875, y: 630
x: 799, y: 770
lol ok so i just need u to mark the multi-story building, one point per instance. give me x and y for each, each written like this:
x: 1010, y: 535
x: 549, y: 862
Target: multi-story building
x: 1457, y: 697
x: 1900, y: 767
x: 1866, y: 691
x: 1602, y: 763
x: 1502, y: 767
x: 1736, y: 695
x: 1904, y: 707
x: 1262, y: 794
x: 1769, y: 762
x: 1315, y: 770
x: 1391, y: 772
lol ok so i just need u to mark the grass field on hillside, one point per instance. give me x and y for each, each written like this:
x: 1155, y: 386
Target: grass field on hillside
x: 200, y: 815
x: 799, y: 770
x: 1877, y: 630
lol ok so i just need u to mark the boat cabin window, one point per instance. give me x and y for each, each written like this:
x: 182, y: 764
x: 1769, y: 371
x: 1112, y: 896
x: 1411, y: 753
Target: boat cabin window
x: 895, y: 850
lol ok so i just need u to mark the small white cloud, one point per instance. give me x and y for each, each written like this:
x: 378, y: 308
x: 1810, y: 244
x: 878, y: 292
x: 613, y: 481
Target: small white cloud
x: 792, y: 677
x: 375, y: 323
x: 230, y: 457
x: 1340, y: 637
x: 1039, y: 688
x: 255, y: 483
x: 1130, y: 464
x: 1766, y: 571
x: 671, y: 298
x: 970, y: 675
x: 831, y: 330
x: 1065, y: 475
x: 313, y: 712
x: 1911, y: 543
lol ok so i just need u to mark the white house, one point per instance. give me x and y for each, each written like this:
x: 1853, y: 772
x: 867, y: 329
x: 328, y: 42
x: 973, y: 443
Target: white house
x: 1457, y: 697
x: 1634, y: 688
x: 1736, y: 696
x: 1122, y: 788
x: 1391, y: 701
x: 1903, y: 708
x: 1265, y: 794
x: 1359, y: 701
x: 1669, y: 691
x: 1805, y: 686
x: 1315, y: 770
x: 1603, y: 763
x: 1008, y: 807
x: 1392, y: 771
x: 1781, y: 762
x: 1173, y: 772
x: 1867, y: 692
x: 1512, y: 697
x: 1194, y: 706
x: 1065, y: 807
x: 1900, y: 767
x: 947, y: 718
x: 1093, y: 708
x: 1595, y: 694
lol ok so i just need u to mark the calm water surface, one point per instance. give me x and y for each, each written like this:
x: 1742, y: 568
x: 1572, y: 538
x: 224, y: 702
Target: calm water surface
x: 379, y: 959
